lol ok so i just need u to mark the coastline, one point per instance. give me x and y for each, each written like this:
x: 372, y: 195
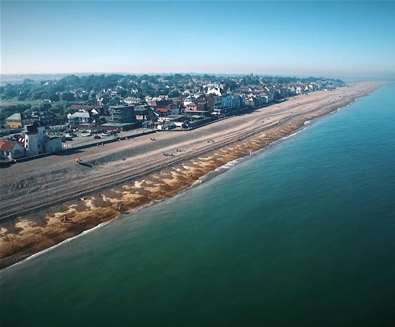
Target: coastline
x: 37, y: 232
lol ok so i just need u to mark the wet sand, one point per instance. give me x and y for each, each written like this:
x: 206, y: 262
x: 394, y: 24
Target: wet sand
x: 115, y: 187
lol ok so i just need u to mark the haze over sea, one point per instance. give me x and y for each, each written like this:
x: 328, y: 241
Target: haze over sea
x: 300, y: 234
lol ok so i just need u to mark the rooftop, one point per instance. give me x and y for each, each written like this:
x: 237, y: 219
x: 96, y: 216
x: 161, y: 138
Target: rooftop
x: 16, y: 116
x: 79, y: 114
x: 7, y: 145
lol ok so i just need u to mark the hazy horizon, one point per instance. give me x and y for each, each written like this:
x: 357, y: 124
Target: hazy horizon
x: 19, y: 78
x: 332, y: 39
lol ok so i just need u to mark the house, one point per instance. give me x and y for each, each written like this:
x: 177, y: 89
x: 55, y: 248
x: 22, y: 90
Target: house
x: 249, y: 100
x: 213, y: 89
x: 10, y: 150
x: 195, y: 104
x: 231, y: 101
x: 212, y: 100
x: 154, y: 102
x: 144, y: 113
x: 76, y: 106
x: 230, y: 104
x: 132, y: 101
x: 145, y: 116
x: 190, y: 106
x: 261, y: 100
x: 174, y: 108
x: 201, y: 102
x: 78, y: 118
x: 14, y: 121
x: 227, y: 104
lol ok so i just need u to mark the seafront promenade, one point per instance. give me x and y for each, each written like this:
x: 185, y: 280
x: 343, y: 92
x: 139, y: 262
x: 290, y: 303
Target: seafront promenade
x: 57, y: 199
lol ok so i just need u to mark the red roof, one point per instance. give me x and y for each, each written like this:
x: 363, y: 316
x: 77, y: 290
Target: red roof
x: 162, y: 110
x: 7, y: 145
x: 76, y: 106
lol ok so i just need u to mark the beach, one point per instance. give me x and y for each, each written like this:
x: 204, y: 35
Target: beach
x: 46, y: 201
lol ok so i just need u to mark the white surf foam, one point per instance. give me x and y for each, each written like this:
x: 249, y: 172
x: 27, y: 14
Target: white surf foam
x: 35, y: 255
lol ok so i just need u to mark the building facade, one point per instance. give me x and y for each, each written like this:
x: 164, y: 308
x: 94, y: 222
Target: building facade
x: 122, y: 114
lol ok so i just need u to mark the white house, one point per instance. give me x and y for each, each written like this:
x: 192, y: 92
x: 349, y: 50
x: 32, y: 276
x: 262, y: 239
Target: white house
x: 79, y: 118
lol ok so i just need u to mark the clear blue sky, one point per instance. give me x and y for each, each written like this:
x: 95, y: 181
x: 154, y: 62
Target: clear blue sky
x: 292, y: 38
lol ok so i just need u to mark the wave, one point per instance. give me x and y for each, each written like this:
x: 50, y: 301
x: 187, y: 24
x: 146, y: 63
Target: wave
x: 228, y: 165
x: 289, y: 136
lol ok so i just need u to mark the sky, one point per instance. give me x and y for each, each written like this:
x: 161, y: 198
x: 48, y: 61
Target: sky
x: 335, y: 39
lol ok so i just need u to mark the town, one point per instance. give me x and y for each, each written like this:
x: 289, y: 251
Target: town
x: 43, y: 117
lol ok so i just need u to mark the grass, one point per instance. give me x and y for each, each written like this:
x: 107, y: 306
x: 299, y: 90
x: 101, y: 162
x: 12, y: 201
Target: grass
x: 14, y: 102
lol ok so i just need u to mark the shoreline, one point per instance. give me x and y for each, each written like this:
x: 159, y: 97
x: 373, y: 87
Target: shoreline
x: 52, y: 227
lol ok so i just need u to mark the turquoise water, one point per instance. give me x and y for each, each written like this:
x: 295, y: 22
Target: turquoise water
x: 301, y: 234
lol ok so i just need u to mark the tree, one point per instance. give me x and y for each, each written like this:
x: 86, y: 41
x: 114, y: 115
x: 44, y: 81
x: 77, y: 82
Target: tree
x: 58, y: 109
x: 45, y: 106
x: 163, y: 91
x: 22, y: 96
x: 10, y: 91
x: 54, y: 97
x: 122, y: 92
x: 174, y: 93
x: 115, y: 101
x: 6, y: 111
x: 68, y: 96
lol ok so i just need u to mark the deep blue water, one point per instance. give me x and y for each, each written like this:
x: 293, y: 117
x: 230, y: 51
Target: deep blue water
x: 302, y: 234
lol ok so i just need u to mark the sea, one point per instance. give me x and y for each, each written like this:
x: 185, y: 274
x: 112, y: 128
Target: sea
x: 301, y: 234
